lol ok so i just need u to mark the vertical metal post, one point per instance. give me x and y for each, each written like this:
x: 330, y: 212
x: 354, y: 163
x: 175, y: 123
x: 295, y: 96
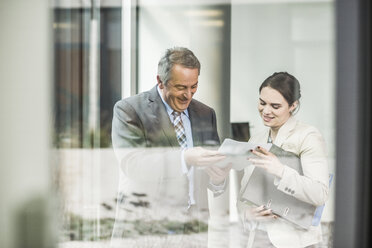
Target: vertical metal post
x: 353, y: 173
x: 129, y: 48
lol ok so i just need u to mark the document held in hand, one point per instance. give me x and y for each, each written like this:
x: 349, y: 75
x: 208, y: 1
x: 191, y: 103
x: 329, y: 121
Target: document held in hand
x: 261, y: 190
x: 237, y: 153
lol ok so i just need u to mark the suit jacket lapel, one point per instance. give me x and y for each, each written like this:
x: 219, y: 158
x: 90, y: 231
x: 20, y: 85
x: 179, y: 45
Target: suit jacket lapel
x: 162, y: 121
x: 195, y: 120
x: 285, y: 131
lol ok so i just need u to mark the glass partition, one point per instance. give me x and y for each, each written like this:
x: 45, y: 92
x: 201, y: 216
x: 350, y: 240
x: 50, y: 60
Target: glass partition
x: 87, y: 83
x: 239, y: 44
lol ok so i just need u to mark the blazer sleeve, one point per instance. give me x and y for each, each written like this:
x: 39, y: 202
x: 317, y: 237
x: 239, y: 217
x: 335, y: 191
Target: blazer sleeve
x: 127, y: 129
x: 312, y: 186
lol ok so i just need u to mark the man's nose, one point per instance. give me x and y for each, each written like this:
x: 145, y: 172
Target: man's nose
x: 188, y: 93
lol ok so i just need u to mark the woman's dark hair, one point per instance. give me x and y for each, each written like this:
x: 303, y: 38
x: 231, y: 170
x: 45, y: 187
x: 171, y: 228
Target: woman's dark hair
x: 287, y: 85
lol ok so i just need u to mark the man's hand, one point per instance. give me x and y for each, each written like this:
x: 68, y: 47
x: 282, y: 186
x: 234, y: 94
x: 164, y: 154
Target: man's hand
x: 201, y: 157
x: 218, y: 175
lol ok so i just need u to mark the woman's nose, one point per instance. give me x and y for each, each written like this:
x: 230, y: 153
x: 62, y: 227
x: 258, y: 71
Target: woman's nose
x: 266, y: 110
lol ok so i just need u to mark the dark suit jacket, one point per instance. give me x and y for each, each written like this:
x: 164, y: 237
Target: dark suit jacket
x: 141, y: 121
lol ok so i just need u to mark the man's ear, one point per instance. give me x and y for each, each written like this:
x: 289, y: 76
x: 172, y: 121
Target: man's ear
x: 160, y: 83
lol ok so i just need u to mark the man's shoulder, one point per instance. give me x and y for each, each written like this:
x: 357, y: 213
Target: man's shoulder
x: 199, y: 106
x: 136, y: 101
x: 139, y: 98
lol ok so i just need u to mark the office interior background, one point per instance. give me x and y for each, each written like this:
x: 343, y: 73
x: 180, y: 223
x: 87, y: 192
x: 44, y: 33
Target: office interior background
x: 63, y: 65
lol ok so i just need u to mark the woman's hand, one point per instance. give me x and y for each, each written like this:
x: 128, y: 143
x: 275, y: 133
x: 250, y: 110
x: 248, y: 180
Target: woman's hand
x: 267, y: 161
x: 259, y: 214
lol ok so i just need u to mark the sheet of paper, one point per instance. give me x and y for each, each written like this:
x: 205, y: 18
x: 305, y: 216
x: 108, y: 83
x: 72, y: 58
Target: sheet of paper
x: 237, y: 153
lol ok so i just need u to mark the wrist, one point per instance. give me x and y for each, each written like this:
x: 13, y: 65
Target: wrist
x: 280, y: 171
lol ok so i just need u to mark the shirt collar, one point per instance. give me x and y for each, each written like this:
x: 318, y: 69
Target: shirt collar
x: 167, y: 107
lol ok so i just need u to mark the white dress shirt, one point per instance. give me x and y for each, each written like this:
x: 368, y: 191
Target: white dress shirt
x: 188, y: 132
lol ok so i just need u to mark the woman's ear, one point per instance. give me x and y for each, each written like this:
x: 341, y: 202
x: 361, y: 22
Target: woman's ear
x: 293, y: 107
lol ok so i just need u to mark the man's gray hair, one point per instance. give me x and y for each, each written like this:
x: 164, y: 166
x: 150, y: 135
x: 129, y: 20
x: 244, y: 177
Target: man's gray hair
x: 176, y: 56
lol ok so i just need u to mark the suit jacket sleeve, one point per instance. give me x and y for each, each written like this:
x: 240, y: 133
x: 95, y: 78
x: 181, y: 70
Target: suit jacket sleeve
x: 127, y: 129
x: 312, y: 187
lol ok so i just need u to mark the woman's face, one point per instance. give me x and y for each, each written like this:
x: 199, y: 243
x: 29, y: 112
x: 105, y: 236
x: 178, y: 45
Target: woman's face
x: 273, y: 108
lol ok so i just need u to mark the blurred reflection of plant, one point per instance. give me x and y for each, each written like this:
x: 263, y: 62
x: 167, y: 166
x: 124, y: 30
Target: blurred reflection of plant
x: 78, y: 228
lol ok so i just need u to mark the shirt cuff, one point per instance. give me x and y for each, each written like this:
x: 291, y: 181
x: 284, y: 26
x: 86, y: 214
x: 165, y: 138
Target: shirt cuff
x: 218, y: 188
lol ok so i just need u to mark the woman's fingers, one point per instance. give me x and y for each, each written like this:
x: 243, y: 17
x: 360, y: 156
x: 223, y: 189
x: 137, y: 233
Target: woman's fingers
x: 258, y: 209
x: 263, y: 150
x: 259, y: 153
x: 264, y: 212
x: 260, y: 214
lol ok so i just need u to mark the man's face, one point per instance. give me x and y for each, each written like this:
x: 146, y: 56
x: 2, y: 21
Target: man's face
x: 181, y: 87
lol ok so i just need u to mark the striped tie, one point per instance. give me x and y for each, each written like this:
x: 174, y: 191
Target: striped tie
x: 180, y: 130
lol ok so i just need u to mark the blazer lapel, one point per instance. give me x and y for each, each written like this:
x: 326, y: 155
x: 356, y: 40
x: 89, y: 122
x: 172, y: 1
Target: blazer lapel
x: 194, y: 120
x: 161, y: 120
x: 285, y: 131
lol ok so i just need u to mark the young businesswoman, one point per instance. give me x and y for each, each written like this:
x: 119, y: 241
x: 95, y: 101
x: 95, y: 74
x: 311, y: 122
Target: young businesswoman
x: 278, y: 101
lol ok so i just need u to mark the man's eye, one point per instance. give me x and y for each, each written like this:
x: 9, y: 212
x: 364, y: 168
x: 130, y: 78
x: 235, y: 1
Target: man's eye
x: 262, y: 103
x: 276, y: 106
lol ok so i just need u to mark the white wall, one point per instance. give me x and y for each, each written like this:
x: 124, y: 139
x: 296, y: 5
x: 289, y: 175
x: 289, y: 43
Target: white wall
x: 204, y: 29
x: 293, y: 37
x: 25, y: 80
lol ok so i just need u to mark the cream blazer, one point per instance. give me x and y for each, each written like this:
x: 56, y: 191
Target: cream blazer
x: 307, y: 142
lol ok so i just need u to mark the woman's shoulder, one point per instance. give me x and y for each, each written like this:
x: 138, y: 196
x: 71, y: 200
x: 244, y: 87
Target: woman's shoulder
x: 306, y: 129
x: 309, y: 137
x: 299, y: 136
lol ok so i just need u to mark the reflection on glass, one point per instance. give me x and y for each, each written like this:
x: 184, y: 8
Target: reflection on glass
x: 87, y: 53
x: 265, y: 37
x: 73, y: 74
